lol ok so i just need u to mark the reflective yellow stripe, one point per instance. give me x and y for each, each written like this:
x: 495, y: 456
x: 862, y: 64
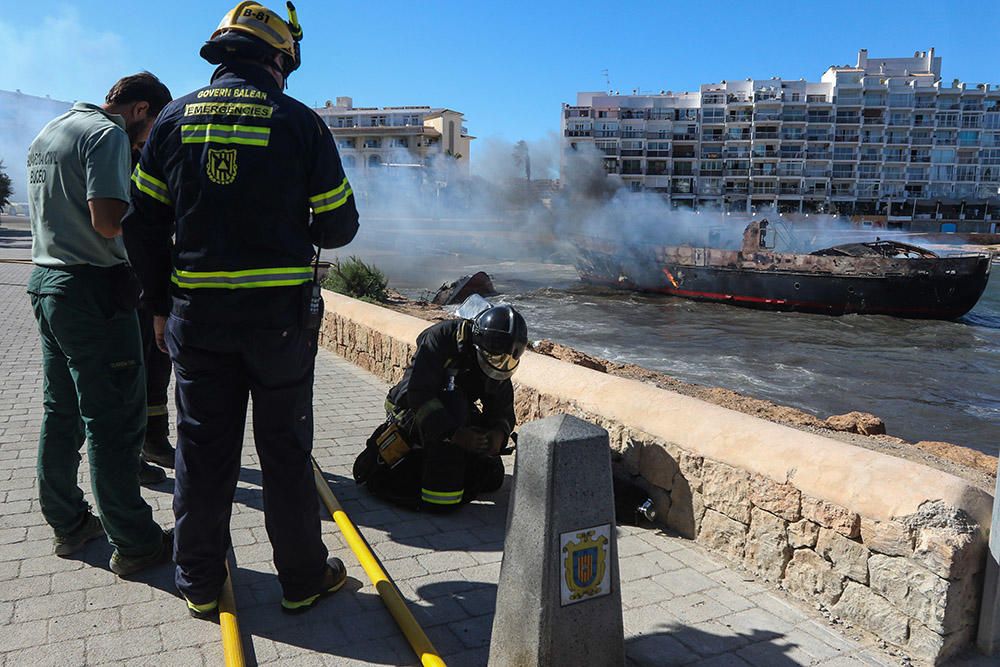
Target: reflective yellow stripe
x: 151, y: 186
x: 271, y: 277
x: 156, y: 410
x: 327, y: 201
x: 216, y: 133
x: 441, y: 497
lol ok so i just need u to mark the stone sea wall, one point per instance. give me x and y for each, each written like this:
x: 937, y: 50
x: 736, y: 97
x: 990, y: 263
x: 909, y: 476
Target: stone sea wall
x: 886, y: 544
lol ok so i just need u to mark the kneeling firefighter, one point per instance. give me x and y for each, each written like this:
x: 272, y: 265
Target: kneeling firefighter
x: 450, y: 417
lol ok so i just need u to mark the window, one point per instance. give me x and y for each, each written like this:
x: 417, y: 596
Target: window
x: 941, y: 172
x: 713, y: 98
x: 713, y: 115
x: 401, y: 142
x: 943, y: 155
x: 965, y: 173
x: 815, y: 98
x: 372, y: 142
x: 346, y: 143
x: 968, y: 138
x: 900, y: 99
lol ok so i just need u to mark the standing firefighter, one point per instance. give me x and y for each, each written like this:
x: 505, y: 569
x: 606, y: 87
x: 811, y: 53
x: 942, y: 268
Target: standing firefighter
x: 241, y: 166
x: 450, y: 416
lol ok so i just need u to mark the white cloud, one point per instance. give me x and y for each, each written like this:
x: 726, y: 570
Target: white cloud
x: 60, y: 56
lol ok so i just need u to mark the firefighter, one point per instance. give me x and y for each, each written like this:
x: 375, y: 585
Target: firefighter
x: 450, y: 416
x: 253, y: 180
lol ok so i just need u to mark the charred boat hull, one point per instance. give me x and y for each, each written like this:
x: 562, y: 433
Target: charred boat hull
x: 916, y: 284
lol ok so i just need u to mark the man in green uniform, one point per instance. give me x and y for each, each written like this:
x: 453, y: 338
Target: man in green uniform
x: 84, y: 295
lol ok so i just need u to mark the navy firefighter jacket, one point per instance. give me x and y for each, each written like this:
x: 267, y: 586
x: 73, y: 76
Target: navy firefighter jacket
x: 253, y: 181
x: 445, y: 349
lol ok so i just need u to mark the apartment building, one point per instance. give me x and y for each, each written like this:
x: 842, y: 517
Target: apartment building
x: 21, y: 118
x: 884, y: 138
x: 372, y: 138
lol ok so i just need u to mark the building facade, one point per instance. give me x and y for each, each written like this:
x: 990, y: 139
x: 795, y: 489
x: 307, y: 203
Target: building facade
x: 372, y: 138
x: 884, y: 137
x: 21, y: 118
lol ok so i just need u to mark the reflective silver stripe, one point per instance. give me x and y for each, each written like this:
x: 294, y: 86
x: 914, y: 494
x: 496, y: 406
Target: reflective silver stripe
x: 327, y: 201
x: 260, y: 25
x: 225, y: 134
x: 151, y: 186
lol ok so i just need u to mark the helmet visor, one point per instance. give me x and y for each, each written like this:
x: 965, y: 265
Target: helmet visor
x: 499, y: 366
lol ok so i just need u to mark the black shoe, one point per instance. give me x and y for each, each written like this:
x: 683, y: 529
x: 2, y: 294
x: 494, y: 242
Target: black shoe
x: 67, y: 545
x: 156, y: 448
x: 203, y: 612
x: 333, y: 580
x: 150, y: 474
x: 123, y: 566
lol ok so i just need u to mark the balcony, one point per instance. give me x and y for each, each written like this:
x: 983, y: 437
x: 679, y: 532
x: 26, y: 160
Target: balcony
x: 577, y: 133
x: 742, y: 173
x: 846, y: 139
x: 920, y: 141
x: 793, y: 118
x: 655, y: 153
x: 765, y: 134
x: 872, y: 139
x: 819, y: 155
x: 824, y: 138
x: 761, y: 155
x: 785, y: 190
x: 816, y: 173
x: 685, y: 137
x: 792, y: 155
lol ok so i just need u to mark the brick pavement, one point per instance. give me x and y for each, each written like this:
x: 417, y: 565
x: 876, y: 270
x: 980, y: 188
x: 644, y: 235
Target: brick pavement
x: 682, y: 606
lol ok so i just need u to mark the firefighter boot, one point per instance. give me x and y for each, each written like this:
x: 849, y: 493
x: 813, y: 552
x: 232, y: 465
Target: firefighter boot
x: 156, y: 448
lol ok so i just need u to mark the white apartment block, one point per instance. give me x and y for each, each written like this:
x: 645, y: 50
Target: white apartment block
x: 884, y: 137
x: 371, y: 138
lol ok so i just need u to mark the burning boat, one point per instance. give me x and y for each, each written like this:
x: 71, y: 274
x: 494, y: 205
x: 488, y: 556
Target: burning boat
x: 879, y: 277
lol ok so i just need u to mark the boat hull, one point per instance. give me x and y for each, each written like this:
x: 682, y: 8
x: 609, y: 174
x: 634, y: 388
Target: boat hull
x: 945, y: 288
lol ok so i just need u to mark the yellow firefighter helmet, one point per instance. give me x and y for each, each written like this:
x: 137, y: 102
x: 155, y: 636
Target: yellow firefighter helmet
x: 257, y: 21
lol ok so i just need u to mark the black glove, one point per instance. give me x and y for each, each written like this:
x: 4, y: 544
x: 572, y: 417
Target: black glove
x: 471, y: 439
x: 496, y: 439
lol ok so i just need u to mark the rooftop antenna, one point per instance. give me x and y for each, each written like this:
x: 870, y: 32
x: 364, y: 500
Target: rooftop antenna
x: 607, y: 79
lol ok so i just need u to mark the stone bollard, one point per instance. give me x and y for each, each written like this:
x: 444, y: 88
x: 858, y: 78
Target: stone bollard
x: 559, y: 600
x: 988, y: 639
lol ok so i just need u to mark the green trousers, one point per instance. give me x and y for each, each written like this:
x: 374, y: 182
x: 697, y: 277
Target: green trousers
x: 95, y: 390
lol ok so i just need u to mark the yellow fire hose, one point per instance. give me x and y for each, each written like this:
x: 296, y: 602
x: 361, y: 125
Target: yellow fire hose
x: 232, y: 644
x: 386, y: 589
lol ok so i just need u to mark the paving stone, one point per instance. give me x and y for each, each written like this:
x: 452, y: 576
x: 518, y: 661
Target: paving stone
x: 658, y: 649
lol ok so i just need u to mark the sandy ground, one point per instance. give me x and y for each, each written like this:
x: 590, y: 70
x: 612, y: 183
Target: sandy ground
x: 856, y: 428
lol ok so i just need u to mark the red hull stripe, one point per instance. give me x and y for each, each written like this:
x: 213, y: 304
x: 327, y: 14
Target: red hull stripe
x: 738, y: 298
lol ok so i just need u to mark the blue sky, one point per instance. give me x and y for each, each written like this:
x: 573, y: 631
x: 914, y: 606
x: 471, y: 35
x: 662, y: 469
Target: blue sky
x: 508, y: 66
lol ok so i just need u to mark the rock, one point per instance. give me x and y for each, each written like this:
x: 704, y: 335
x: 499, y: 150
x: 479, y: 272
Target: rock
x: 948, y: 541
x: 932, y: 647
x: 803, y: 533
x: 863, y: 423
x: 848, y: 557
x: 563, y: 353
x: 657, y: 465
x: 767, y: 550
x: 687, y: 508
x: 940, y: 605
x: 833, y: 516
x: 726, y: 489
x: 960, y: 455
x: 809, y: 577
x: 781, y: 499
x: 691, y: 469
x: 873, y: 612
x: 723, y: 535
x: 454, y: 293
x: 948, y: 553
x: 891, y: 538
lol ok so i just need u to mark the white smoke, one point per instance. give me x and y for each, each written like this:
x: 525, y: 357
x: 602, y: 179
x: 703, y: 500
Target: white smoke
x: 59, y: 57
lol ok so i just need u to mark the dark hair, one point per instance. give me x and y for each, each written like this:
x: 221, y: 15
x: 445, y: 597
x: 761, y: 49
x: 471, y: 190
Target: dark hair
x: 141, y: 87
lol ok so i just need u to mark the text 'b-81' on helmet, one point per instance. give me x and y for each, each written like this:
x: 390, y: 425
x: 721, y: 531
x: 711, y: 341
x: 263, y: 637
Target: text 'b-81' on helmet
x: 251, y: 30
x: 500, y: 337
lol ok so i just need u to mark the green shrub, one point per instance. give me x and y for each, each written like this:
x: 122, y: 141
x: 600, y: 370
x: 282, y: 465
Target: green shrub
x: 354, y: 278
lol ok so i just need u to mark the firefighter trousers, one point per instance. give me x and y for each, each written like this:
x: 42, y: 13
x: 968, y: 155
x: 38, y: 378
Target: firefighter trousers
x: 218, y: 368
x: 157, y: 374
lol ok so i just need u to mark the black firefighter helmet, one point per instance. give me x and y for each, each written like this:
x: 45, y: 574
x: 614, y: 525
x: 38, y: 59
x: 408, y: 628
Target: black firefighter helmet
x: 500, y: 336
